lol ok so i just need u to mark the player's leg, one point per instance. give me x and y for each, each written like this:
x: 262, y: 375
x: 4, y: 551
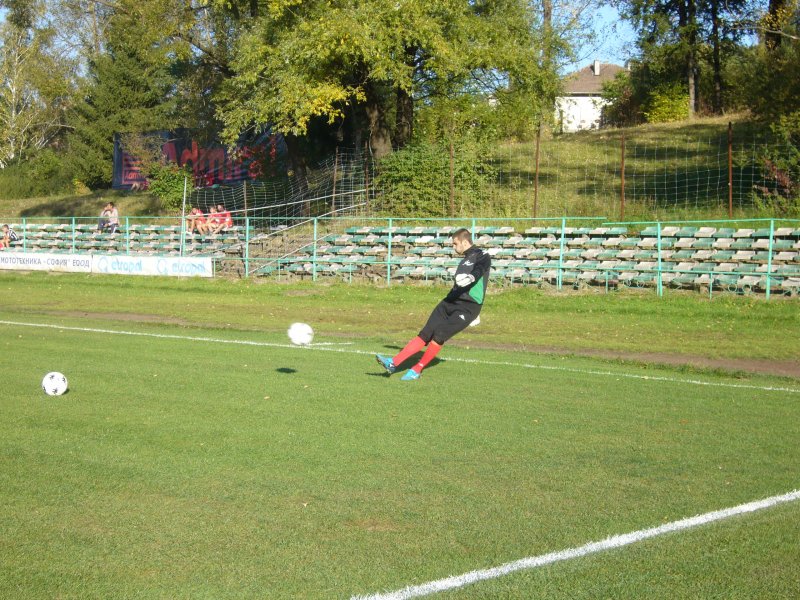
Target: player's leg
x: 416, y: 343
x: 458, y: 318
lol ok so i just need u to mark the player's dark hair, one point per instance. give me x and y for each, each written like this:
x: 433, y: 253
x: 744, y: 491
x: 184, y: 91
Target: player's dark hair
x: 462, y: 234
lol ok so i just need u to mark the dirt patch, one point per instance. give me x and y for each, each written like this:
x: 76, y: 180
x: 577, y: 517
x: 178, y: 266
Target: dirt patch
x: 764, y: 366
x: 781, y: 368
x: 131, y: 318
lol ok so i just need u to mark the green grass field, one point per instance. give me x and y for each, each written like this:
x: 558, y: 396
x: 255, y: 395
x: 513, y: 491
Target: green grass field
x: 197, y: 454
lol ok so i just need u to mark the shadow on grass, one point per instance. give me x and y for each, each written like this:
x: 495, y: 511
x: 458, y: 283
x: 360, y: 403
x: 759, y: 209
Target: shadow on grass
x: 407, y: 364
x: 91, y: 205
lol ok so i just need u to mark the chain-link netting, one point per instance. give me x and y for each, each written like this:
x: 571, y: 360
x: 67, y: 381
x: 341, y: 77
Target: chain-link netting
x: 574, y: 177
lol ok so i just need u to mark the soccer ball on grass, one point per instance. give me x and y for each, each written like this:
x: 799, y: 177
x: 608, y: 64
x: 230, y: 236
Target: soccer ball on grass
x: 54, y: 383
x: 300, y: 334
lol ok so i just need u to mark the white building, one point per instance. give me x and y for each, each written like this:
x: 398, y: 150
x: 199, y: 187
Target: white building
x: 581, y: 105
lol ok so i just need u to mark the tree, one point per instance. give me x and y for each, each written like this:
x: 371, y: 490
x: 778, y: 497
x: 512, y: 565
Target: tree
x: 34, y: 91
x: 680, y: 39
x: 130, y: 88
x: 368, y: 63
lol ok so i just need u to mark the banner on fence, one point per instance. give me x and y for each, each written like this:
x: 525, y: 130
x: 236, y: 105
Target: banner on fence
x: 152, y: 265
x: 211, y: 163
x: 42, y: 261
x: 108, y: 264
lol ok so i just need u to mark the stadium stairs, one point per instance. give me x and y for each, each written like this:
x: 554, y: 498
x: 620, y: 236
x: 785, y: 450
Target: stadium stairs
x: 138, y: 239
x: 700, y: 258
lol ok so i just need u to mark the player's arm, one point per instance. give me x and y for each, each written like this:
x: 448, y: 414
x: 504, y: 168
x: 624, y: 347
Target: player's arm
x: 477, y: 271
x: 482, y: 266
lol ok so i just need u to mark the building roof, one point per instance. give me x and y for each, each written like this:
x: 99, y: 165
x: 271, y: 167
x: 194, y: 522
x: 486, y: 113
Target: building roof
x: 588, y: 82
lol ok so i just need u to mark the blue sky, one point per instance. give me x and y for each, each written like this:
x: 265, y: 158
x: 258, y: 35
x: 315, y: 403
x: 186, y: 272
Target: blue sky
x: 614, y: 34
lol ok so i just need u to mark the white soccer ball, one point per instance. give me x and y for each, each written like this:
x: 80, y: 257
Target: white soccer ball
x: 54, y: 383
x: 300, y: 334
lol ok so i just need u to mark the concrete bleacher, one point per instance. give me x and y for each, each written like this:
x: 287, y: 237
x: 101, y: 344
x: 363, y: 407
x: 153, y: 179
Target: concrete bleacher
x: 140, y: 239
x: 689, y: 257
x: 723, y: 258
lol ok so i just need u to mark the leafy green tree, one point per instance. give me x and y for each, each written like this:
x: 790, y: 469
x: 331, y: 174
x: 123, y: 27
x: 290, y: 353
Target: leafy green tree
x: 368, y: 63
x: 681, y: 40
x: 772, y: 79
x: 34, y: 91
x: 130, y: 88
x: 429, y: 178
x: 666, y: 103
x: 623, y: 106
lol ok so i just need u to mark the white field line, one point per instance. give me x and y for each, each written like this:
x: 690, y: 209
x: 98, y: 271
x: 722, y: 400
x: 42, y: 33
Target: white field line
x: 327, y: 347
x: 616, y: 541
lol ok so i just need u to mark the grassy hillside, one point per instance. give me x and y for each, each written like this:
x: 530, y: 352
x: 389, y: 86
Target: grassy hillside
x: 88, y: 205
x: 672, y: 171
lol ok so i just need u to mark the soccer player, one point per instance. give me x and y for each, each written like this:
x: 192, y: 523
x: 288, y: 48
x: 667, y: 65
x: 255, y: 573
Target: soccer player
x: 455, y: 312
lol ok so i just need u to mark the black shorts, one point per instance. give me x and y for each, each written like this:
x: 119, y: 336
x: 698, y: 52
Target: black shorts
x: 447, y: 319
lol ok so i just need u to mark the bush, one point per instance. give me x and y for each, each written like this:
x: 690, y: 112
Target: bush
x: 622, y: 108
x: 415, y: 181
x: 780, y: 194
x: 667, y: 103
x: 43, y: 175
x: 166, y: 182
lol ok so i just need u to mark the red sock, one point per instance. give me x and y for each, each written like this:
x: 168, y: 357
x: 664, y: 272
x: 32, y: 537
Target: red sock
x: 430, y: 354
x: 412, y: 347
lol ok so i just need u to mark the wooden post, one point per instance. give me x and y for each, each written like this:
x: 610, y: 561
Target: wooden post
x: 366, y: 177
x: 730, y: 170
x: 335, y: 169
x: 622, y: 180
x: 452, y: 180
x: 244, y: 187
x: 536, y: 176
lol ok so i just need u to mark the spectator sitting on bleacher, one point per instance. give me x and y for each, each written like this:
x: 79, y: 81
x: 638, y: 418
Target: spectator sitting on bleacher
x: 8, y: 235
x: 196, y: 221
x: 213, y: 218
x: 222, y: 219
x: 109, y: 219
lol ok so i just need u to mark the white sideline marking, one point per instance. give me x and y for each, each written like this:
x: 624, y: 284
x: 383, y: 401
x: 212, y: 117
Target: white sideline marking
x: 616, y: 541
x: 325, y: 347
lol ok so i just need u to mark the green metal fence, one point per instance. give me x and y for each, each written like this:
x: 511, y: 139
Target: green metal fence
x: 308, y: 260
x: 294, y: 246
x: 135, y: 235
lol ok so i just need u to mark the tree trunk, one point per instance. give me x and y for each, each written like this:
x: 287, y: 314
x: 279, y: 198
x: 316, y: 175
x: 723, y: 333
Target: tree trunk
x: 547, y: 29
x: 380, y: 137
x: 404, y: 118
x: 297, y: 164
x: 717, y: 64
x: 691, y: 59
x: 404, y: 105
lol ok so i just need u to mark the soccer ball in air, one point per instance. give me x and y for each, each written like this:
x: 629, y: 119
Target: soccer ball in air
x: 300, y: 334
x: 54, y: 383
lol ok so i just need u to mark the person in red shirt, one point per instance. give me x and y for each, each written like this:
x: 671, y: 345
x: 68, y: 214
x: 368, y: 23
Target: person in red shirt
x: 224, y: 220
x: 213, y: 220
x: 196, y: 221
